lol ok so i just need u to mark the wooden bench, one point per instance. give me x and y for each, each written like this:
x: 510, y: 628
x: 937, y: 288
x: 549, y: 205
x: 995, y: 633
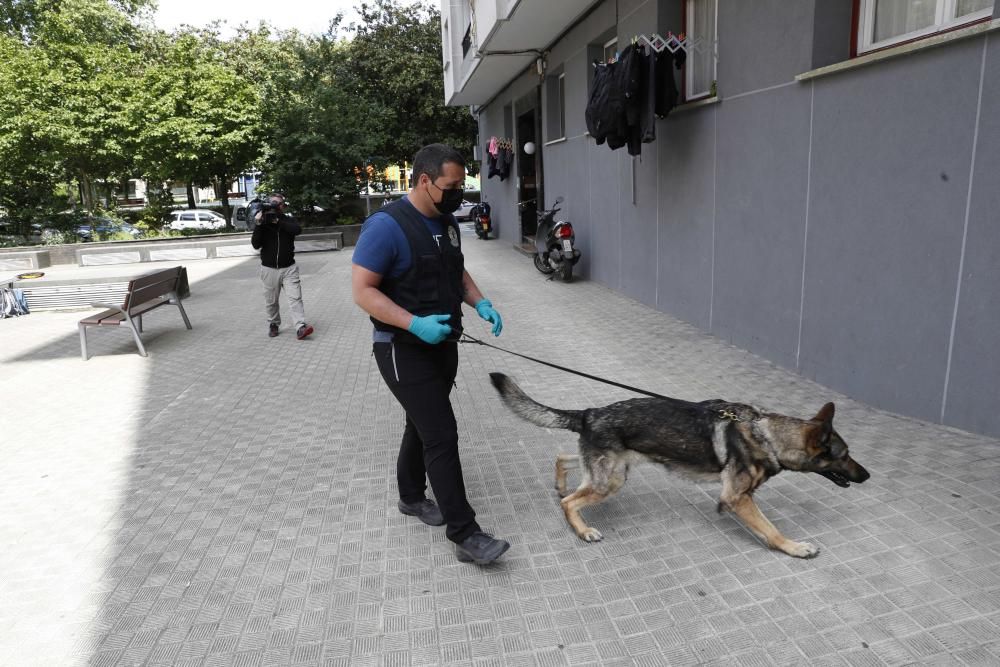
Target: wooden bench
x: 143, y: 295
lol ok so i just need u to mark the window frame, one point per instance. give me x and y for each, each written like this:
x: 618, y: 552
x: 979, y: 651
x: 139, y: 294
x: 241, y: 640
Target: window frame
x: 555, y: 108
x: 561, y: 99
x: 686, y: 88
x: 864, y: 13
x: 611, y: 42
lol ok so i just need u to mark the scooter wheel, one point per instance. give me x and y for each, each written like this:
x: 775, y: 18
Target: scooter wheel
x: 542, y: 265
x: 567, y: 271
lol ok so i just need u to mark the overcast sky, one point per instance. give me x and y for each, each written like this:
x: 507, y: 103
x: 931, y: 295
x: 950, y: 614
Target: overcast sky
x: 309, y: 16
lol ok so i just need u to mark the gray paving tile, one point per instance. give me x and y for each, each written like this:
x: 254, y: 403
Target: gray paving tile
x: 238, y: 506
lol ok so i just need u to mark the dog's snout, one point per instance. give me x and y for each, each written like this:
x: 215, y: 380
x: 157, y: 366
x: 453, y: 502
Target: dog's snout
x: 858, y: 473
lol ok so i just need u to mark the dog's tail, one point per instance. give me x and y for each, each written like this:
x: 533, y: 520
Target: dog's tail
x: 536, y: 413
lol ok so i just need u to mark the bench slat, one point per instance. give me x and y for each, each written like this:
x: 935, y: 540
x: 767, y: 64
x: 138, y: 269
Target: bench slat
x: 148, y: 306
x: 148, y: 287
x: 107, y: 317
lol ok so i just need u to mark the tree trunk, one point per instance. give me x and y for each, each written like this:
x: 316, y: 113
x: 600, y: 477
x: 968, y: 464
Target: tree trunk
x: 224, y: 198
x: 190, y: 194
x: 86, y: 192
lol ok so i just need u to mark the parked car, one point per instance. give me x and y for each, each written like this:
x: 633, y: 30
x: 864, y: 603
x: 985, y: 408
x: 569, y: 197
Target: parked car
x: 464, y: 212
x: 103, y: 227
x: 196, y: 219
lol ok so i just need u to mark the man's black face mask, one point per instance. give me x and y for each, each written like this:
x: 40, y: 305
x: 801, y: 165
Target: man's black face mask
x: 451, y: 199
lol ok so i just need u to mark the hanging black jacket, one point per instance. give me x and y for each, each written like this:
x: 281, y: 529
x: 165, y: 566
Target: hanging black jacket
x: 504, y: 159
x: 657, y: 96
x: 613, y: 107
x: 665, y: 88
x: 605, y: 109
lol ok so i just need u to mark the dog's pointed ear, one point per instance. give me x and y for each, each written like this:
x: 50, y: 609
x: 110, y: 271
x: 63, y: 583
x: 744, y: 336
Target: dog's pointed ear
x: 825, y: 413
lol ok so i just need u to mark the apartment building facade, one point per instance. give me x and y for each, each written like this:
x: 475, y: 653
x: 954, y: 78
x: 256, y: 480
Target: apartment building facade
x: 826, y: 194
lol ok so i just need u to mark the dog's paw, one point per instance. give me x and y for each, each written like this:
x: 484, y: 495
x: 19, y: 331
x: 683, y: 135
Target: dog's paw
x: 591, y: 535
x: 801, y: 549
x: 561, y: 490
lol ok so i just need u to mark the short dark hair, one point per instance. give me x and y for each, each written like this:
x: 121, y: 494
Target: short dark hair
x: 430, y: 160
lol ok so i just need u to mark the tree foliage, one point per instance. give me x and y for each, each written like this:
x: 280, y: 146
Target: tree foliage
x: 93, y: 96
x: 69, y: 80
x: 321, y: 131
x: 200, y: 123
x: 396, y: 66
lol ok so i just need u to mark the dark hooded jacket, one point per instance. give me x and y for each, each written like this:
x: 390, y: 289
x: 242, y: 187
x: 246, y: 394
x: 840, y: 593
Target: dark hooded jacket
x: 276, y: 242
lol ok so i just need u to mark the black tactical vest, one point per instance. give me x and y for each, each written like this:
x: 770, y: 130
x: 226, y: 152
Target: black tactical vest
x: 433, y: 283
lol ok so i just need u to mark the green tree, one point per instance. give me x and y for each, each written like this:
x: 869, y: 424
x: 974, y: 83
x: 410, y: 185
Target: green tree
x: 319, y: 130
x: 29, y: 174
x: 395, y: 61
x: 71, y: 62
x: 201, y: 121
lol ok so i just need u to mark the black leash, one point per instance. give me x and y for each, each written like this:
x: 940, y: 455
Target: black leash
x: 472, y: 339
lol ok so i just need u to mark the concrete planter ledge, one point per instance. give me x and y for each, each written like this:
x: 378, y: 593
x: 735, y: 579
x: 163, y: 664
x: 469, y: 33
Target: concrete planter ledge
x: 196, y: 248
x: 24, y: 260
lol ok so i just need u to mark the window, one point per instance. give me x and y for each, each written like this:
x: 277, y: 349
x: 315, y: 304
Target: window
x: 447, y: 46
x: 562, y: 105
x: 555, y: 91
x: 882, y: 23
x: 610, y: 50
x: 467, y: 41
x: 702, y: 37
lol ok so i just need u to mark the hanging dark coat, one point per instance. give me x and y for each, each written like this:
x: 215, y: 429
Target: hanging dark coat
x: 491, y: 164
x: 666, y: 95
x: 603, y: 107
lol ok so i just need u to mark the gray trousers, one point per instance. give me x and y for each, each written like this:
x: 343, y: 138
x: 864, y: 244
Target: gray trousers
x: 276, y: 279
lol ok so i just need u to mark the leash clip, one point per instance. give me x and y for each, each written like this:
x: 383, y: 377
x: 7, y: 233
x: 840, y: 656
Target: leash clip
x: 729, y: 414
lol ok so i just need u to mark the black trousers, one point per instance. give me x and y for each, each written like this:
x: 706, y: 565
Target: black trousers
x: 421, y: 378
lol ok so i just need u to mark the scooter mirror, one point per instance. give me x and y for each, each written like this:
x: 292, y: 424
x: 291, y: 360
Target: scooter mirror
x: 558, y: 201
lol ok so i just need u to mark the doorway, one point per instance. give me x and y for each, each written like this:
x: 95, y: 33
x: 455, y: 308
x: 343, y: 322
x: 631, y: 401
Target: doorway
x: 527, y: 176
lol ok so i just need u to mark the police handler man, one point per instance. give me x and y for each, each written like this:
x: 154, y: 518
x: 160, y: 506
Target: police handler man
x: 408, y: 274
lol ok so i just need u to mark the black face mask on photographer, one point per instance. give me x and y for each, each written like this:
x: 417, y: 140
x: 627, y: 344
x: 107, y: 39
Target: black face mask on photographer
x: 451, y: 199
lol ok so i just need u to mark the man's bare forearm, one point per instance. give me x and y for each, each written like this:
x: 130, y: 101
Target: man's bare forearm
x: 381, y: 307
x: 470, y: 291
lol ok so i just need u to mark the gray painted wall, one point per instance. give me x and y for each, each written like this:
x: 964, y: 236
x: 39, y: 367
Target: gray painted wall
x: 846, y: 226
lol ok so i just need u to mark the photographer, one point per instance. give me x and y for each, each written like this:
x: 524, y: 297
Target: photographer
x: 274, y: 235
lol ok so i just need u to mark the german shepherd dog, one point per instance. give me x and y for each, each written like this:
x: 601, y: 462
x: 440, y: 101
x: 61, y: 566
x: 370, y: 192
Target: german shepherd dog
x: 741, y: 444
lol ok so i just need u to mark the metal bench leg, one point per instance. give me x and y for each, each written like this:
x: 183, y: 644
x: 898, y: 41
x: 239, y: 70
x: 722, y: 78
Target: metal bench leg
x: 177, y: 302
x: 139, y: 322
x: 135, y: 334
x: 83, y: 341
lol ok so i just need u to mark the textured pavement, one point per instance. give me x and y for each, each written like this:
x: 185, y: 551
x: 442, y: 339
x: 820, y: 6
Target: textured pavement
x: 230, y: 500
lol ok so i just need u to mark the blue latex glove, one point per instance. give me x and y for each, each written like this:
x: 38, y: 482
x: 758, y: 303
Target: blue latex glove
x: 431, y: 328
x: 488, y: 313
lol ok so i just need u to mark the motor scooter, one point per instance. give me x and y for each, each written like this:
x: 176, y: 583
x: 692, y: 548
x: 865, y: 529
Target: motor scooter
x: 555, y: 254
x: 482, y: 221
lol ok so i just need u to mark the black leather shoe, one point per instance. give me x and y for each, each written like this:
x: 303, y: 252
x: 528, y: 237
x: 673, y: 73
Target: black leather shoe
x: 272, y: 329
x: 480, y: 548
x: 425, y: 510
